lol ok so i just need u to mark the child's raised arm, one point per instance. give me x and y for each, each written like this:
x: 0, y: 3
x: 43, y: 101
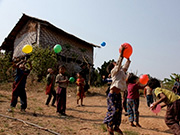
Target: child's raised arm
x: 126, y: 65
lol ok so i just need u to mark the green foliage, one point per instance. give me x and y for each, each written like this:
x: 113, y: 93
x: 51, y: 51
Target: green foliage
x: 6, y: 70
x: 99, y: 72
x: 42, y: 59
x: 103, y: 69
x: 103, y: 127
x: 168, y: 83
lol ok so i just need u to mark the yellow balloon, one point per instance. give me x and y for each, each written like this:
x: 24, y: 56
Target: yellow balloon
x: 27, y: 49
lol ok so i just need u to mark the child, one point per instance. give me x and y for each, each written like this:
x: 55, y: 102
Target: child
x: 19, y: 85
x: 113, y: 116
x: 50, y: 87
x: 171, y: 100
x: 148, y: 95
x: 80, y: 88
x: 62, y: 81
x: 124, y: 102
x: 133, y: 99
x: 177, y: 83
x: 109, y: 81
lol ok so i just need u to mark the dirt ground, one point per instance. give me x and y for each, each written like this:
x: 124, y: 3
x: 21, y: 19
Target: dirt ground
x: 86, y: 120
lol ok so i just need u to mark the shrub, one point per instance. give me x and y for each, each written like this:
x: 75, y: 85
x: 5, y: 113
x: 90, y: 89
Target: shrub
x: 42, y: 59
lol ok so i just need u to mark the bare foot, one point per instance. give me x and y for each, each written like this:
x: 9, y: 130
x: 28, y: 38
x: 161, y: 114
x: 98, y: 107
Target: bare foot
x: 132, y: 124
x: 118, y: 130
x: 138, y: 125
x: 110, y: 131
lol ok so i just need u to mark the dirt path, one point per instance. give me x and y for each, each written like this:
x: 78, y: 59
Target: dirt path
x: 85, y: 120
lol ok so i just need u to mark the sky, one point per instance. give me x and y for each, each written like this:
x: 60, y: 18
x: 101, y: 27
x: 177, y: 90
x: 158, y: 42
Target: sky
x: 152, y: 27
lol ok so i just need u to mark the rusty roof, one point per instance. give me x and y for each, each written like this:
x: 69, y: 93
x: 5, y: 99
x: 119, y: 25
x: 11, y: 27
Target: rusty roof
x: 9, y: 41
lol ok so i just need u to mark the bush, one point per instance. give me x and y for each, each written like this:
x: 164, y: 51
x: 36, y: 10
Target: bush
x: 42, y: 59
x: 6, y: 70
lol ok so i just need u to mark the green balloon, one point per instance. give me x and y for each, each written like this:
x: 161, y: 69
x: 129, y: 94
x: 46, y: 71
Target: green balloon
x: 71, y: 79
x: 57, y: 48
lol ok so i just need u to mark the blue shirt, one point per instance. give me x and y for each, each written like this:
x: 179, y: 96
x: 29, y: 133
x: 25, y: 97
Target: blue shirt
x: 19, y: 74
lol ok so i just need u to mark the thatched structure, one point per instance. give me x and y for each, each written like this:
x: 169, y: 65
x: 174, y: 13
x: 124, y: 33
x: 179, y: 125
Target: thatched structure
x: 34, y: 31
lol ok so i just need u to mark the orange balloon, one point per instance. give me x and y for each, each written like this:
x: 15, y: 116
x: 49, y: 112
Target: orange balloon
x: 127, y: 51
x: 144, y: 79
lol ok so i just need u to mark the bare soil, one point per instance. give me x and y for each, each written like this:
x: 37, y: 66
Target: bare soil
x: 86, y: 120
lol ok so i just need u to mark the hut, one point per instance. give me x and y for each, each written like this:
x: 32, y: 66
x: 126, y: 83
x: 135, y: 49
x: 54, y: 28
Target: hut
x: 37, y: 32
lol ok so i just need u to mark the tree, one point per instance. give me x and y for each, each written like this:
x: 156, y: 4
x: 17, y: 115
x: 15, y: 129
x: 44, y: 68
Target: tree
x: 168, y: 83
x: 42, y: 59
x: 6, y: 70
x: 99, y: 72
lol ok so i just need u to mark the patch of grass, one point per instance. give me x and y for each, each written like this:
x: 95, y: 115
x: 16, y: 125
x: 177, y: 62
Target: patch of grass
x: 103, y: 127
x: 130, y: 133
x: 34, y: 99
x: 2, y: 130
x: 6, y: 125
x: 68, y: 128
x: 4, y: 96
x: 39, y: 108
x: 18, y: 106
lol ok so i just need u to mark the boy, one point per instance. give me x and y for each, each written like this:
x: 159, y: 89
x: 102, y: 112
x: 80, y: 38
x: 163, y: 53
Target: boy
x: 171, y: 100
x: 62, y: 81
x: 19, y: 85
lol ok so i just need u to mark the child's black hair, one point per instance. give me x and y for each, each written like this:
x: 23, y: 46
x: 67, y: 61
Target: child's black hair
x: 132, y: 78
x: 80, y: 73
x: 154, y: 83
x: 62, y: 66
x: 110, y: 67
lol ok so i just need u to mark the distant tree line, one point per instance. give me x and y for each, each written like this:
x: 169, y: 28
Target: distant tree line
x: 44, y: 58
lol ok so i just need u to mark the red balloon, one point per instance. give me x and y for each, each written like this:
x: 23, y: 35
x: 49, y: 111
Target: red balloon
x: 127, y: 51
x: 144, y: 79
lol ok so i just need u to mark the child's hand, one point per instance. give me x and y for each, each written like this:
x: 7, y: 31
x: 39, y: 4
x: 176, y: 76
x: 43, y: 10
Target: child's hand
x: 153, y: 106
x: 122, y: 50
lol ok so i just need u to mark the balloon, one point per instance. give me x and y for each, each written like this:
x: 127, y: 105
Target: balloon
x: 57, y: 48
x: 27, y: 49
x: 103, y: 44
x: 127, y: 51
x: 157, y: 109
x: 144, y: 79
x: 71, y: 79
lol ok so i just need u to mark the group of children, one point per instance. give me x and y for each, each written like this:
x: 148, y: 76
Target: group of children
x: 60, y: 95
x: 130, y: 82
x: 120, y: 82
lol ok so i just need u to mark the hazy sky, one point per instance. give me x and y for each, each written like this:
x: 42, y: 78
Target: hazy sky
x: 152, y: 27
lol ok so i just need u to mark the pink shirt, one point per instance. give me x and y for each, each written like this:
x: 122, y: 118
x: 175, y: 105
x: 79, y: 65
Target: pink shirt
x: 133, y: 90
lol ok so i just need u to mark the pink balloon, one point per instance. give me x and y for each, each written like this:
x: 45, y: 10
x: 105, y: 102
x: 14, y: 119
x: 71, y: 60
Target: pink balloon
x: 157, y: 109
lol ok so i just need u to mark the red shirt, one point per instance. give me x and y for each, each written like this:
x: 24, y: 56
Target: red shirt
x: 133, y: 90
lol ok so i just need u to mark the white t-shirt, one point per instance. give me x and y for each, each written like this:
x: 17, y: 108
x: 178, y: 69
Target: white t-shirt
x: 119, y: 76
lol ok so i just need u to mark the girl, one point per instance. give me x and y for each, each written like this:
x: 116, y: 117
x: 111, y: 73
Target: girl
x: 113, y: 116
x: 171, y: 100
x: 62, y: 81
x: 50, y: 87
x: 80, y: 88
x: 133, y: 99
x: 148, y: 95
